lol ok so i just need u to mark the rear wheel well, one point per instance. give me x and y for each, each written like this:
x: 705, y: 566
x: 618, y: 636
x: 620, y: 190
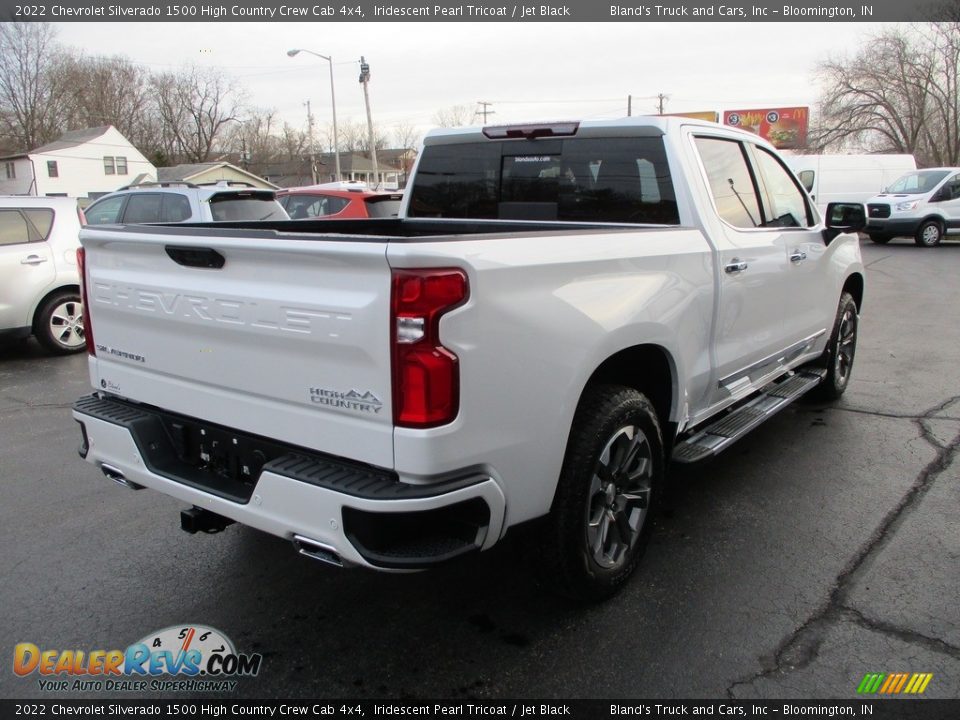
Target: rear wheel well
x: 646, y: 368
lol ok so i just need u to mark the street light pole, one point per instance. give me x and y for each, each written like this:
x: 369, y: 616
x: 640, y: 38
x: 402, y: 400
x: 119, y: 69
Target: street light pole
x: 333, y: 103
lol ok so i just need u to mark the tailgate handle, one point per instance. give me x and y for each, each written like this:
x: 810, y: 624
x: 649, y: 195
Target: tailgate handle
x: 196, y: 257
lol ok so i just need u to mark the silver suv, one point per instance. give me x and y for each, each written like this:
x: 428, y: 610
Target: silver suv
x: 39, y: 282
x: 174, y: 202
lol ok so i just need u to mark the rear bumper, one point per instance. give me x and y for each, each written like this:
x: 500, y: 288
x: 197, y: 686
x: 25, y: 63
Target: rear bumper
x: 356, y: 514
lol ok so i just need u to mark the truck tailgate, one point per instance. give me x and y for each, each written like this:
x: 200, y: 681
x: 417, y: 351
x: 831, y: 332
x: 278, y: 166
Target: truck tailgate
x: 289, y: 338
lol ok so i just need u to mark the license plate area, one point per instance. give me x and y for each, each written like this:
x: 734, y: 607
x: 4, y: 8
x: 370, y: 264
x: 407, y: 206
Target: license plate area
x: 207, y: 457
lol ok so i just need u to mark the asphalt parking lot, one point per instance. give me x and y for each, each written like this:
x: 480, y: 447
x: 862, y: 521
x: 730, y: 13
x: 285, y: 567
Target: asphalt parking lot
x: 824, y: 546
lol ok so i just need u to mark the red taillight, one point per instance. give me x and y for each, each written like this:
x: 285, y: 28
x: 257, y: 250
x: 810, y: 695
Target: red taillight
x: 426, y: 375
x: 87, y: 327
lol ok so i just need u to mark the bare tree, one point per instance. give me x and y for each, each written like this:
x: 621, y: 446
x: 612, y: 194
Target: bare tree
x: 109, y: 91
x: 406, y: 136
x: 898, y: 93
x: 352, y: 136
x: 294, y: 143
x: 942, y: 131
x: 32, y: 88
x: 255, y: 137
x: 454, y: 116
x: 195, y: 106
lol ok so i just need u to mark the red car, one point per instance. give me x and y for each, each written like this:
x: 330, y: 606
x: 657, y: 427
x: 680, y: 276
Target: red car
x: 338, y: 203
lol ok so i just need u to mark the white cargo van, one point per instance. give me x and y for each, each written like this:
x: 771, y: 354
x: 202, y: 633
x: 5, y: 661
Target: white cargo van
x: 848, y: 178
x: 924, y: 205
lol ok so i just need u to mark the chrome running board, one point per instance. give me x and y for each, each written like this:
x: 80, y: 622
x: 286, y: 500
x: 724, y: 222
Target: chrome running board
x: 735, y: 424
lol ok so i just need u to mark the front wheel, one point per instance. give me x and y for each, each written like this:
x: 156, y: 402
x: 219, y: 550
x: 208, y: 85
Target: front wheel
x: 841, y: 349
x: 59, y: 324
x: 929, y: 234
x: 880, y: 239
x: 607, y: 494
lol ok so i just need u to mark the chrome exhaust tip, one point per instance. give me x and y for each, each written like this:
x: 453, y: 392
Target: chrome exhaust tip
x: 117, y: 476
x: 317, y: 551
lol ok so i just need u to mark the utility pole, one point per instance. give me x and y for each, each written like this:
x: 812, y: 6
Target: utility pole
x: 484, y: 110
x: 629, y: 105
x: 312, y: 148
x: 661, y: 99
x: 365, y: 80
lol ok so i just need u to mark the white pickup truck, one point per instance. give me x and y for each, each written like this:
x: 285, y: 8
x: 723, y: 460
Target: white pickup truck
x: 559, y: 311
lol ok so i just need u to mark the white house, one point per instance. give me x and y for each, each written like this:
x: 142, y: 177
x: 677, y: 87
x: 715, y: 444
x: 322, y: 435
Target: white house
x: 81, y: 163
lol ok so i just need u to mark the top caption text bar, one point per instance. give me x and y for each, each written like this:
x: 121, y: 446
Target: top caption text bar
x: 474, y: 11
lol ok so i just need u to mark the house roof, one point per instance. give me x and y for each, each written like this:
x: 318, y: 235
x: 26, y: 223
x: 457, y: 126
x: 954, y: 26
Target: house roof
x: 191, y: 171
x: 71, y: 139
x: 67, y: 140
x: 185, y: 172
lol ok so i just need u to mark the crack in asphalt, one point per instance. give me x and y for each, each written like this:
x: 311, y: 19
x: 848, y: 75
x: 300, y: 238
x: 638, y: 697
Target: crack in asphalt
x: 802, y: 646
x: 909, y: 636
x: 878, y: 260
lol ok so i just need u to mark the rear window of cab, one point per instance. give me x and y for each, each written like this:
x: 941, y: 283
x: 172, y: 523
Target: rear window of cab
x: 624, y: 180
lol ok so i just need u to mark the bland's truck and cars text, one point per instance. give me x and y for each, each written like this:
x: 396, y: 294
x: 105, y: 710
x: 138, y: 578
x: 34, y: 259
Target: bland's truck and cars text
x: 559, y: 312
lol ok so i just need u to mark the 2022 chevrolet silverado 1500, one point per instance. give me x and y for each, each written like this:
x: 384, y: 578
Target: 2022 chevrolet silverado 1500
x: 559, y: 311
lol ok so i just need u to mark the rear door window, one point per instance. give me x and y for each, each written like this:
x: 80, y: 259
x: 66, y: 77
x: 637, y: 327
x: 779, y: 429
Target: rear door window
x: 41, y: 219
x: 175, y: 208
x: 14, y: 228
x: 299, y: 207
x: 105, y: 211
x: 579, y: 179
x: 731, y: 184
x: 143, y: 208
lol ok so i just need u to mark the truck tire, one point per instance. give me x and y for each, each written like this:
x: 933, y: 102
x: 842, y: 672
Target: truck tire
x: 58, y: 324
x: 606, y: 496
x: 840, y: 352
x: 929, y: 234
x: 880, y: 239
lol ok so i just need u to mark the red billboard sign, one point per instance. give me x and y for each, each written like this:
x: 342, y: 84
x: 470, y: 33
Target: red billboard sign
x: 783, y: 127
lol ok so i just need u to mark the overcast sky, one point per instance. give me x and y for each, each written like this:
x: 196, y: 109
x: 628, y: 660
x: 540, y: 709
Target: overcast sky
x: 527, y: 71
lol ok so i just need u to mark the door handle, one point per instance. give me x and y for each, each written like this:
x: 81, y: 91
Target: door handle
x: 734, y: 266
x: 798, y: 256
x: 33, y: 260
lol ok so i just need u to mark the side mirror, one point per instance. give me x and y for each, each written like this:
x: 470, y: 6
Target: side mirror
x: 842, y: 218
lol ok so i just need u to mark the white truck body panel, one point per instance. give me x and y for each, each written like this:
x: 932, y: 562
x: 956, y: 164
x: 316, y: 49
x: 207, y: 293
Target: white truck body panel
x: 291, y: 340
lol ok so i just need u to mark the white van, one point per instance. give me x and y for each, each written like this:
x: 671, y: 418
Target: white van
x: 848, y: 178
x: 924, y: 204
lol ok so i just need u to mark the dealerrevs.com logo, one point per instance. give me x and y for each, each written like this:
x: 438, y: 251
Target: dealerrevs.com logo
x: 187, y: 658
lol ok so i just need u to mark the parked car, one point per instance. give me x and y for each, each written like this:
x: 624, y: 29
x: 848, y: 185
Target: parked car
x: 39, y: 281
x: 339, y: 201
x: 924, y: 205
x: 174, y: 202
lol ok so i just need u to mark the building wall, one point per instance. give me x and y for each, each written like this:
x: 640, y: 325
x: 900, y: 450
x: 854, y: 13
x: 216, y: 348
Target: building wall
x: 81, y: 169
x: 22, y: 182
